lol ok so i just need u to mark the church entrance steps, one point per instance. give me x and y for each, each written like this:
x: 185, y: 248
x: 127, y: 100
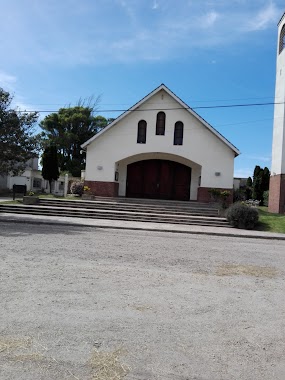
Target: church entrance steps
x: 172, y: 208
x: 100, y: 210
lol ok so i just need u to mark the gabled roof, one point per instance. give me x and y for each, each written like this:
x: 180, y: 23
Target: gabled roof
x: 179, y: 101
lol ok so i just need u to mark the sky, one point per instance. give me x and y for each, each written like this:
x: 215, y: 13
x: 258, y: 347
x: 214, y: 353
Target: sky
x: 208, y: 52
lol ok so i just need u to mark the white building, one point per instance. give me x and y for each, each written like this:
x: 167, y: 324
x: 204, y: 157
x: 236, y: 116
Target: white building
x: 277, y: 179
x: 159, y: 148
x: 32, y: 178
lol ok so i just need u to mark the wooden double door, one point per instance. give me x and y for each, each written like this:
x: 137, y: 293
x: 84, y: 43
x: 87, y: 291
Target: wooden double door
x: 158, y: 179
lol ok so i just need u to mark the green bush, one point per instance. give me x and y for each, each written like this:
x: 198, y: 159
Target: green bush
x: 77, y: 187
x: 239, y: 195
x: 265, y: 198
x: 240, y: 215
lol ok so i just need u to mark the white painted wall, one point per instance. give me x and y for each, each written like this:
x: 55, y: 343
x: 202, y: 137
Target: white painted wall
x: 278, y: 144
x: 201, y: 149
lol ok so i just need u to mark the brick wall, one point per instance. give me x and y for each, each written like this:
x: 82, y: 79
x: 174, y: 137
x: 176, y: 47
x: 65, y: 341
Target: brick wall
x: 205, y: 196
x: 276, y: 201
x: 103, y: 189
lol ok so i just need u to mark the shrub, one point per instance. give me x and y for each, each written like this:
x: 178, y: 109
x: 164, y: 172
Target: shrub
x: 239, y: 195
x: 240, y: 215
x: 215, y: 194
x: 265, y: 198
x: 77, y: 188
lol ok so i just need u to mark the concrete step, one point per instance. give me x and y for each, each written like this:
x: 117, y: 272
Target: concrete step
x: 131, y: 207
x: 113, y: 215
x: 153, y: 202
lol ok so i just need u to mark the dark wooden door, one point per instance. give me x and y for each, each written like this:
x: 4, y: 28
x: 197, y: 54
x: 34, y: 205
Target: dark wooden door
x: 151, y: 178
x: 166, y: 179
x: 182, y: 176
x: 135, y: 180
x: 158, y: 179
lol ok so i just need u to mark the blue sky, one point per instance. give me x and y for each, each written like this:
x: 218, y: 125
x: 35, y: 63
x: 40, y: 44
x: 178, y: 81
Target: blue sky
x: 209, y: 53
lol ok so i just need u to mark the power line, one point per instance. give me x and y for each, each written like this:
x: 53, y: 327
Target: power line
x: 173, y: 108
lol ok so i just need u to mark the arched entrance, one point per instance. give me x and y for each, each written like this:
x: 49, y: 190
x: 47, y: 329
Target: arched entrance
x: 158, y: 179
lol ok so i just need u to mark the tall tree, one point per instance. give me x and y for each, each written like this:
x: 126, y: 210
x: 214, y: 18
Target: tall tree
x: 260, y: 182
x: 68, y: 129
x: 17, y: 140
x: 50, y: 170
x: 249, y: 182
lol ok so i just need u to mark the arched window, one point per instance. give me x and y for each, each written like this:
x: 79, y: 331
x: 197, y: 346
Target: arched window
x: 160, y: 123
x: 178, y: 133
x: 282, y: 39
x: 141, y: 132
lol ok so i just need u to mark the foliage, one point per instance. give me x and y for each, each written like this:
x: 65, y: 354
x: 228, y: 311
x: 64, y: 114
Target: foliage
x: 249, y: 182
x: 265, y: 197
x: 215, y: 194
x: 50, y: 170
x: 31, y: 193
x: 77, y: 187
x: 68, y: 129
x: 220, y: 196
x: 240, y: 215
x: 86, y: 189
x: 239, y: 195
x: 17, y: 141
x: 260, y: 182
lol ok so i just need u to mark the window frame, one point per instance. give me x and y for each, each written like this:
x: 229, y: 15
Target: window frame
x: 160, y: 123
x: 141, y: 133
x: 178, y: 133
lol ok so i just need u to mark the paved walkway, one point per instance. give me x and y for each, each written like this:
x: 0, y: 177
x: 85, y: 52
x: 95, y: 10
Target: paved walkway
x: 131, y: 225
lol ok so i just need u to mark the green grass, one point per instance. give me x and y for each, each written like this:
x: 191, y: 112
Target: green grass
x: 270, y: 222
x: 15, y: 202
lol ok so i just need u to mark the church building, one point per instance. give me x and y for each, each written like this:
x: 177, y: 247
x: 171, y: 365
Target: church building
x: 277, y: 180
x: 160, y: 149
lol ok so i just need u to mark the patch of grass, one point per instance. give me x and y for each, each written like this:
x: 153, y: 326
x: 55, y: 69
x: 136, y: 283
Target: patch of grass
x: 246, y: 270
x: 270, y: 222
x: 107, y: 366
x: 54, y: 196
x: 15, y: 202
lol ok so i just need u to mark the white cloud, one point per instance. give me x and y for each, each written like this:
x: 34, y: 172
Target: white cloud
x: 7, y: 81
x: 258, y: 158
x: 264, y: 18
x: 209, y: 19
x: 155, y: 5
x: 243, y: 173
x: 127, y: 30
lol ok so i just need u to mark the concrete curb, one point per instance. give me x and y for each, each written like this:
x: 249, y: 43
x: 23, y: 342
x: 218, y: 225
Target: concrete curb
x: 98, y: 225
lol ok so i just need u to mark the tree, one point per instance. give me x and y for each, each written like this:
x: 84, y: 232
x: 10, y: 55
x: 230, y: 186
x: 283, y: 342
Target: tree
x: 260, y: 182
x: 68, y: 129
x: 50, y: 170
x: 249, y: 182
x: 17, y: 140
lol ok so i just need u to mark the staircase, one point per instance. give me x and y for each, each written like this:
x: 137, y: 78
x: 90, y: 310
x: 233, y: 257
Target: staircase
x: 125, y: 209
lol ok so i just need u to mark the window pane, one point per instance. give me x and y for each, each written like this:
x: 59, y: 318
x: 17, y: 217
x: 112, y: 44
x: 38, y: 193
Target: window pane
x: 178, y: 133
x: 141, y: 139
x: 160, y: 123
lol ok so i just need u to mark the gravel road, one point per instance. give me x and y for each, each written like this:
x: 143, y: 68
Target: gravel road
x: 86, y: 303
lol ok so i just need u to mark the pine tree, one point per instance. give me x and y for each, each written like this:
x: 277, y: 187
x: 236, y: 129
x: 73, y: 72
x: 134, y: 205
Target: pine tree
x: 50, y: 170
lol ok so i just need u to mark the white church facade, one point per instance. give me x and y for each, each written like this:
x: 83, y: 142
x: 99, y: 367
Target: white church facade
x: 277, y: 179
x: 161, y: 149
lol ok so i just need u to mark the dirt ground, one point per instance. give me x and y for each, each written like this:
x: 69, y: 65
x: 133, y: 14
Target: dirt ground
x: 95, y: 304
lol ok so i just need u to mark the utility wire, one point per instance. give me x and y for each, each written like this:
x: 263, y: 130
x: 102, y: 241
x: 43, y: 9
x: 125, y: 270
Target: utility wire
x: 174, y: 108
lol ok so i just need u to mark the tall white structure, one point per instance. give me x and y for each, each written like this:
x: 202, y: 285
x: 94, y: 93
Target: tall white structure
x: 277, y: 179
